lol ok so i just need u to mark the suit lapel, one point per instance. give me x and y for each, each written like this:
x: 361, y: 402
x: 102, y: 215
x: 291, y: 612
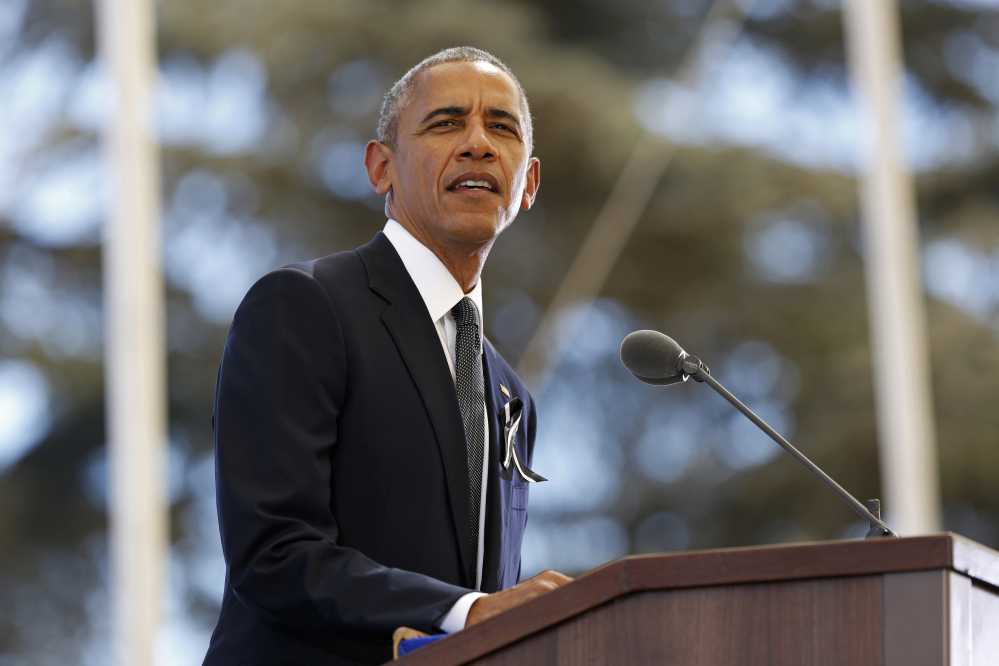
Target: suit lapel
x: 409, y: 324
x: 494, y: 510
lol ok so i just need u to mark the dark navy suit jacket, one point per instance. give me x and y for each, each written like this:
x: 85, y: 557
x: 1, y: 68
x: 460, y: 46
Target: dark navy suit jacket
x: 342, y: 471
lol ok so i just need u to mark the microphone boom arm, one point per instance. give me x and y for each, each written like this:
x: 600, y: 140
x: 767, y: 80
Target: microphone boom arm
x: 691, y: 365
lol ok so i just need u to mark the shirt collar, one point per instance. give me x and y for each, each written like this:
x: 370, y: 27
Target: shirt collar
x: 439, y: 289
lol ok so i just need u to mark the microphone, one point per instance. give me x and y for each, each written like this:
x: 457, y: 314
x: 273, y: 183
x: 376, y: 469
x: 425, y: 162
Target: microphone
x: 653, y: 358
x: 657, y: 359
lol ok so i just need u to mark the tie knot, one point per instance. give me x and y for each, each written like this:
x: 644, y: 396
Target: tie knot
x: 465, y: 313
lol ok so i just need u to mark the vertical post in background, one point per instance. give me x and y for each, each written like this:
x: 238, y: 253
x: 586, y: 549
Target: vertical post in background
x: 906, y: 428
x: 134, y: 339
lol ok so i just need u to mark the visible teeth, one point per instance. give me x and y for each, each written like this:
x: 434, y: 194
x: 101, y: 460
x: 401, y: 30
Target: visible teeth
x: 474, y: 183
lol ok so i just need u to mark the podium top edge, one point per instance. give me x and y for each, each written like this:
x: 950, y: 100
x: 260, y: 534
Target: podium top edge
x: 707, y: 568
x: 824, y: 559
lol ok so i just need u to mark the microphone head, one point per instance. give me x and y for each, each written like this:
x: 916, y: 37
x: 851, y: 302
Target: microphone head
x: 652, y: 357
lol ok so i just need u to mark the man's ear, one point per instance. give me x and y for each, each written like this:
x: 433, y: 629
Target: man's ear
x: 377, y: 157
x: 533, y: 182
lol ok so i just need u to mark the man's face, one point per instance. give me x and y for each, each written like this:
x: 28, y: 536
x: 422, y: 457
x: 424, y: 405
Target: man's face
x: 461, y: 168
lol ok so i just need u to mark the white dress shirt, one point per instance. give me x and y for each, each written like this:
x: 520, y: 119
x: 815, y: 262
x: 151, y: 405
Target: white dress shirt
x: 441, y: 292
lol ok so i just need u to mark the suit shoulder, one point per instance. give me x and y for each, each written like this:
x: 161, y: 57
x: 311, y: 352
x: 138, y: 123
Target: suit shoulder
x: 324, y: 279
x: 337, y: 268
x: 340, y: 275
x: 496, y: 359
x: 501, y: 369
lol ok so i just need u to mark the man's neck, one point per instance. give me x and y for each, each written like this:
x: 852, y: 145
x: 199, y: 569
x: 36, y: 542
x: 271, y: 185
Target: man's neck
x: 463, y: 260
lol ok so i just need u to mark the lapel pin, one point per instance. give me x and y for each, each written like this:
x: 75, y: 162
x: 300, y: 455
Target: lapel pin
x: 504, y: 391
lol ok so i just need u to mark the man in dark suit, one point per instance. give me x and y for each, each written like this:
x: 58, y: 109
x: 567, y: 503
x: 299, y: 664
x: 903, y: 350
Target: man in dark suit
x: 364, y: 429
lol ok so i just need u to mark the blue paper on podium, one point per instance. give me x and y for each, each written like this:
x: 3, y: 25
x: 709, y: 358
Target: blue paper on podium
x: 410, y: 644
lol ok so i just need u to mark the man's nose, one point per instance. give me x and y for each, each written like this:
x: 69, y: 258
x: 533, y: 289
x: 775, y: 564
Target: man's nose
x: 475, y: 144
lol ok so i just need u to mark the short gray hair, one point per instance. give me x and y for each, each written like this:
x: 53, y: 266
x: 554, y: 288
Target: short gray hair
x: 399, y: 95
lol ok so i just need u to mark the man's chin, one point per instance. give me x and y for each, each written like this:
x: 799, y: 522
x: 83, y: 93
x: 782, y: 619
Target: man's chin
x: 474, y: 227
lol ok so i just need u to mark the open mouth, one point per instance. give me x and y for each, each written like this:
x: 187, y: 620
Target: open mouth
x: 474, y: 182
x: 473, y: 185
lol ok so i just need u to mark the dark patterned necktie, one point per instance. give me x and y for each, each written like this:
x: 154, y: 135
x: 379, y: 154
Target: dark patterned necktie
x: 471, y: 398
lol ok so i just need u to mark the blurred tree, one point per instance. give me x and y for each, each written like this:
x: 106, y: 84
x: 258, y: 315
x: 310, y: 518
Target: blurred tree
x: 748, y: 254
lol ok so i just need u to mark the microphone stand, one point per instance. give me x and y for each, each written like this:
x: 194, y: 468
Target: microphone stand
x: 692, y: 366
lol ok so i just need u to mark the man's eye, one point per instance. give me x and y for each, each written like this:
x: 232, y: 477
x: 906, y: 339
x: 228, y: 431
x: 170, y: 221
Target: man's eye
x: 505, y: 127
x: 444, y: 123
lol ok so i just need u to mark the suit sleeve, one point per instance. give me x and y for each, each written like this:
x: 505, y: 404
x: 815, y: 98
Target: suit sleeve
x: 281, y: 388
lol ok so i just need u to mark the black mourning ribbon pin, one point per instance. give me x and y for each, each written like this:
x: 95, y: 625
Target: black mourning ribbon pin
x: 512, y: 413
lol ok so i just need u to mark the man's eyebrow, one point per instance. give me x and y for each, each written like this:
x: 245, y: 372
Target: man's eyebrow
x: 452, y: 111
x: 506, y: 115
x: 448, y: 111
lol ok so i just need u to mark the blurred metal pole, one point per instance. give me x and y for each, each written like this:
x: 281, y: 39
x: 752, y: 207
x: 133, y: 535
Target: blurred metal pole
x: 134, y: 339
x: 906, y: 430
x: 628, y: 199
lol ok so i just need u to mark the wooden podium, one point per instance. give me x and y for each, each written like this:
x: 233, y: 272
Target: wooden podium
x: 918, y: 601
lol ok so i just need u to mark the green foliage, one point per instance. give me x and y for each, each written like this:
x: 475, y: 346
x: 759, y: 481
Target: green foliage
x: 685, y: 270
